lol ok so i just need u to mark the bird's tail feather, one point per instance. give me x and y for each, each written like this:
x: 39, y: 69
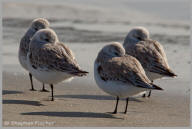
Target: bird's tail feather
x: 80, y: 73
x: 155, y: 87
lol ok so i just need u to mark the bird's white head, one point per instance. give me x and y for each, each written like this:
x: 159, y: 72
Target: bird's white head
x: 36, y: 25
x: 44, y: 36
x: 138, y: 33
x: 39, y: 23
x: 111, y: 50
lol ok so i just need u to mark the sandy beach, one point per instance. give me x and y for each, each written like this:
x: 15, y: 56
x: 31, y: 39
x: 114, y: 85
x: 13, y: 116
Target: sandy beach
x: 86, y: 28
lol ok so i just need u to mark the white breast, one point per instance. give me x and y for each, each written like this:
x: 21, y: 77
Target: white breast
x: 48, y: 76
x: 116, y: 88
x: 23, y: 61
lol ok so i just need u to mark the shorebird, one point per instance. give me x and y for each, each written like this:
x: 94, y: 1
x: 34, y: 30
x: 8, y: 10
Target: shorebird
x: 51, y: 61
x: 119, y: 74
x: 37, y: 24
x: 150, y: 54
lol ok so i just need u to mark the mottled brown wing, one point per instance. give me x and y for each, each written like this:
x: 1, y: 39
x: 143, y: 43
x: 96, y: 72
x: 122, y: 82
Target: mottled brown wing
x: 150, y: 58
x: 55, y: 57
x: 24, y: 45
x: 67, y: 50
x: 160, y: 49
x: 126, y: 69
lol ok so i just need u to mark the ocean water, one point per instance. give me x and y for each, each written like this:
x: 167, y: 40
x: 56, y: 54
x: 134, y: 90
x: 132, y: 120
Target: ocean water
x: 169, y: 9
x: 98, y: 21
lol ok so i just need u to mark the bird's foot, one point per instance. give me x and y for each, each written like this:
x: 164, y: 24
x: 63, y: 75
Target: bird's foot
x: 33, y: 89
x: 143, y: 95
x: 44, y: 90
x: 149, y: 95
x: 112, y: 112
x: 115, y: 112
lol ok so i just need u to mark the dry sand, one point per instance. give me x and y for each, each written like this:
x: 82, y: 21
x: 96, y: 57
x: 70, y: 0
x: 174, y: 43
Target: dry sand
x: 86, y: 29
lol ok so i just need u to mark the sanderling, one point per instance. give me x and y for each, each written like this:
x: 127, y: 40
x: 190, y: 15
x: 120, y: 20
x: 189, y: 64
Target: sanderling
x: 51, y: 61
x: 150, y: 54
x: 37, y: 24
x: 119, y: 74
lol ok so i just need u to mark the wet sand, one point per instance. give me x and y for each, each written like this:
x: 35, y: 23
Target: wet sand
x: 82, y: 103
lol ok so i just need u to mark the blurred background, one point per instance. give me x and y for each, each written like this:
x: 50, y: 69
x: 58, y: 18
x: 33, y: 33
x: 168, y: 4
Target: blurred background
x: 87, y: 25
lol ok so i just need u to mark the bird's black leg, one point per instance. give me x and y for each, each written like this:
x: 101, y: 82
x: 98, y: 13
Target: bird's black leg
x: 127, y: 101
x: 149, y: 92
x: 115, y: 111
x: 43, y: 89
x: 52, y: 97
x: 144, y: 95
x: 32, y: 88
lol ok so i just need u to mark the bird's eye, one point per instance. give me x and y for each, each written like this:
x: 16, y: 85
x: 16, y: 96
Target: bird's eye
x: 139, y: 38
x: 36, y: 29
x: 47, y: 39
x: 117, y: 54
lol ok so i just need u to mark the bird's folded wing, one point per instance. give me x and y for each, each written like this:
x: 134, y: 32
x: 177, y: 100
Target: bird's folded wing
x: 55, y: 57
x: 160, y: 49
x: 67, y: 50
x: 24, y: 45
x: 151, y: 59
x: 126, y: 69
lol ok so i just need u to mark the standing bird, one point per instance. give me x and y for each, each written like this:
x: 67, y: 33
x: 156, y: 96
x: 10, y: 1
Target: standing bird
x: 37, y: 24
x: 150, y: 54
x: 119, y: 74
x: 50, y: 61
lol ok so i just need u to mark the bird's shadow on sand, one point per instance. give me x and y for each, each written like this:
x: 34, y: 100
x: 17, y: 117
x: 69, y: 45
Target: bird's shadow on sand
x: 4, y: 92
x: 25, y: 102
x: 93, y: 97
x: 73, y: 114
